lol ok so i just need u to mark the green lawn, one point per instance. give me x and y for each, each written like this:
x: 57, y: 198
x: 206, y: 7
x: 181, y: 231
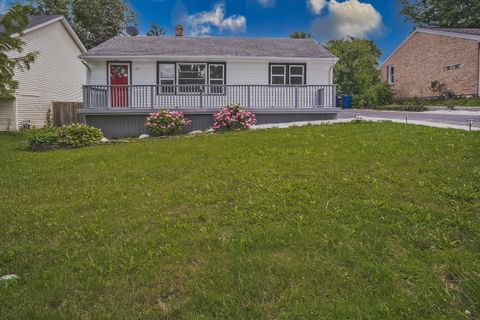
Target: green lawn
x: 353, y: 221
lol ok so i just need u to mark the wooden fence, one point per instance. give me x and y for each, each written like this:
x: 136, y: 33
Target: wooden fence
x: 65, y: 113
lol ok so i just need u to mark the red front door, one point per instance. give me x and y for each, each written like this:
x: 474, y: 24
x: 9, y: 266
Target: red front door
x: 119, y: 76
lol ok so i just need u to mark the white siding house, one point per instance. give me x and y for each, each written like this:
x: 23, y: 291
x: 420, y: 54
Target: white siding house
x: 279, y: 79
x: 56, y: 75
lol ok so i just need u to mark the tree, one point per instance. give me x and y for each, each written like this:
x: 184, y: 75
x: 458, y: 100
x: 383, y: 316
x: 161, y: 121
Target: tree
x: 12, y: 22
x: 301, y: 35
x: 155, y: 30
x: 442, y: 13
x: 49, y: 7
x: 357, y: 68
x: 94, y: 21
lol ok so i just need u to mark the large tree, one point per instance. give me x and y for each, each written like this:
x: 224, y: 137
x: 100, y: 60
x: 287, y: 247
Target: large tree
x: 94, y: 21
x: 12, y: 23
x: 442, y: 13
x: 357, y: 68
x: 50, y: 7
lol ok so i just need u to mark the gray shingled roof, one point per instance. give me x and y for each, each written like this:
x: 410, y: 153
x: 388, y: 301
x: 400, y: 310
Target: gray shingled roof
x: 121, y: 46
x: 34, y: 21
x: 469, y: 31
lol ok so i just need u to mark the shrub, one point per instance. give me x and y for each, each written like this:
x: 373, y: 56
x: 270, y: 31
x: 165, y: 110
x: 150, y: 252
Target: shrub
x: 79, y: 135
x: 233, y: 117
x: 74, y: 135
x: 165, y: 123
x: 401, y: 107
x: 45, y: 136
x: 377, y: 95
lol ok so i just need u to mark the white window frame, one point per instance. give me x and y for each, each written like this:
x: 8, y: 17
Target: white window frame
x: 390, y: 75
x: 222, y: 86
x: 278, y: 75
x: 161, y: 89
x: 290, y: 76
x: 189, y: 64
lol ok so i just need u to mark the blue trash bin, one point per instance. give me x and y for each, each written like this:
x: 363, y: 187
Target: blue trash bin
x: 347, y: 102
x: 344, y: 102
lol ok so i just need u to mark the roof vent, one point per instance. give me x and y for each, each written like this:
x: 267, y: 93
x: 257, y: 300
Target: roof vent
x: 179, y: 31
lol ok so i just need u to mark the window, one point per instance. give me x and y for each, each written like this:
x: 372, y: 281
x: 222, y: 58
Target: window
x: 451, y: 67
x: 278, y: 74
x: 296, y: 74
x: 166, y: 77
x: 191, y: 74
x: 216, y: 76
x: 391, y: 74
x: 287, y: 74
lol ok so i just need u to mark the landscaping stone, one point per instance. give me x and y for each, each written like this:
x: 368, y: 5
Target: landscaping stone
x: 104, y: 140
x: 144, y: 136
x: 195, y: 132
x: 210, y: 131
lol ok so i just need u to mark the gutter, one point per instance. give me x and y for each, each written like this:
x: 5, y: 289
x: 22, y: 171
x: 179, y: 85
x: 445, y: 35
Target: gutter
x: 208, y: 58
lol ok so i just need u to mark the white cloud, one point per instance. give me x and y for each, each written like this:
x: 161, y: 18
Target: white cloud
x: 266, y: 3
x: 316, y: 6
x: 203, y: 23
x: 348, y: 18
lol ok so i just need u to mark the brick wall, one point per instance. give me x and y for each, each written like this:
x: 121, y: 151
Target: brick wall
x: 422, y: 59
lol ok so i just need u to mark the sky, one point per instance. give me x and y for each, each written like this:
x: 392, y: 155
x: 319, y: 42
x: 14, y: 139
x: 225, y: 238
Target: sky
x: 377, y: 20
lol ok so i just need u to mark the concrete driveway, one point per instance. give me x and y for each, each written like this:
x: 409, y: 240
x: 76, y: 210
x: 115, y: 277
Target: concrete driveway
x: 447, y: 117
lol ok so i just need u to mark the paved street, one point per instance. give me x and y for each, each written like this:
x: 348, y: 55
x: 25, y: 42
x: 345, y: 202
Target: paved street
x: 454, y: 117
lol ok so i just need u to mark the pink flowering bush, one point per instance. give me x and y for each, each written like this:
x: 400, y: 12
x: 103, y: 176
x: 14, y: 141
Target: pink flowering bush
x: 233, y: 117
x: 166, y: 123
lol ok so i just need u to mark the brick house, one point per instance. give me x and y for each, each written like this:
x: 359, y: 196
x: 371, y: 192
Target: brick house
x: 449, y: 56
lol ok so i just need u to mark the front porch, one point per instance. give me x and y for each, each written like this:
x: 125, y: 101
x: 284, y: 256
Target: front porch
x: 121, y: 110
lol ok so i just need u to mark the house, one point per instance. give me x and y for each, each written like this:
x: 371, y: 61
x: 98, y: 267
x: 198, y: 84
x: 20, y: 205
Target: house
x: 277, y: 79
x: 56, y: 75
x: 449, y: 57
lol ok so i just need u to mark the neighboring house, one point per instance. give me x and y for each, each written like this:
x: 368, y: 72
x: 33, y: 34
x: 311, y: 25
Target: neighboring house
x: 128, y: 76
x: 56, y: 75
x: 449, y: 56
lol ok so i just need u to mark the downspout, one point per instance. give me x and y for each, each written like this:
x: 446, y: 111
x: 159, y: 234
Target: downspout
x: 89, y: 70
x: 478, y: 71
x: 15, y: 105
x: 330, y: 74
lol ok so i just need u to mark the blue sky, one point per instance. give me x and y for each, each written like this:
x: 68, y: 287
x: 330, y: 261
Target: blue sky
x: 326, y: 19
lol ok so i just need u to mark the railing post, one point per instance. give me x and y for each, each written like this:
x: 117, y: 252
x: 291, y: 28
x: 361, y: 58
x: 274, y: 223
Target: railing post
x: 334, y: 98
x: 201, y: 97
x: 152, y: 104
x: 296, y: 96
x: 248, y: 98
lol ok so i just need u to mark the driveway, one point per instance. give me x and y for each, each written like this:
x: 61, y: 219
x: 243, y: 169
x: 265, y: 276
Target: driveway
x: 448, y: 117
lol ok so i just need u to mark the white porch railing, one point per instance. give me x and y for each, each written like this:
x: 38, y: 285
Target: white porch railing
x: 208, y: 96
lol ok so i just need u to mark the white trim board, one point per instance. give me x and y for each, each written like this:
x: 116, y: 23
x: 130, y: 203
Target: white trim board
x: 65, y: 24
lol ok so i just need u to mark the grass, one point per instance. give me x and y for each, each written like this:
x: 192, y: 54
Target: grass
x: 353, y: 221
